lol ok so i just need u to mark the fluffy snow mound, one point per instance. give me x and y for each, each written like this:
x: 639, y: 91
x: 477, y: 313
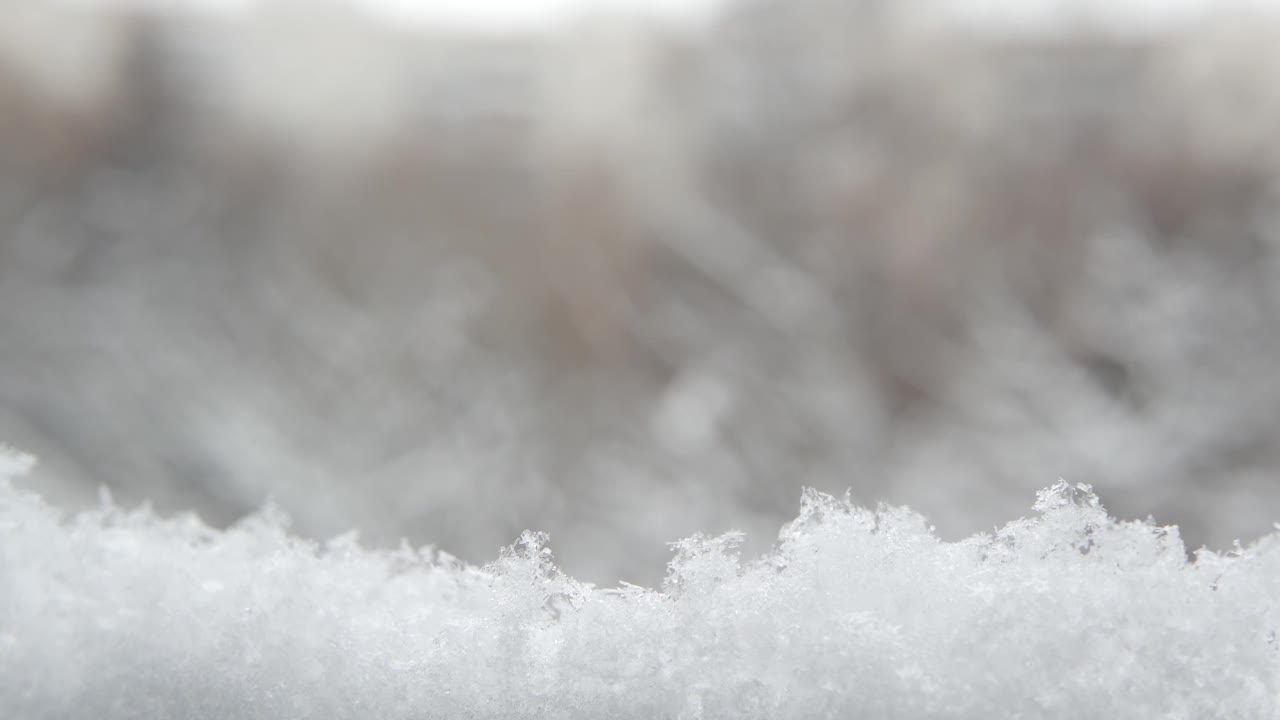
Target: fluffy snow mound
x: 855, y: 613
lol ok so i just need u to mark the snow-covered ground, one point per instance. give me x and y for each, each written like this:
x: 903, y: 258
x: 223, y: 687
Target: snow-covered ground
x: 116, y: 613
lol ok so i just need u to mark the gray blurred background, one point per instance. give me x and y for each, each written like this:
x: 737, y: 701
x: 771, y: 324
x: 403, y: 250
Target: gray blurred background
x: 627, y: 277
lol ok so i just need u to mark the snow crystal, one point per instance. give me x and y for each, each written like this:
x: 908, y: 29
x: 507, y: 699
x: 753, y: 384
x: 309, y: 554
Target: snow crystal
x: 855, y: 613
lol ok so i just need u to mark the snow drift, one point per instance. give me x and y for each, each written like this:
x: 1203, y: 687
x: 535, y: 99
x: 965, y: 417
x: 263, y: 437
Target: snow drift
x: 855, y: 613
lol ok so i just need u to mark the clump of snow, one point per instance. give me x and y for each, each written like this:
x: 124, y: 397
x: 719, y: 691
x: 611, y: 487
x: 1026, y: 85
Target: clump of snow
x: 855, y: 613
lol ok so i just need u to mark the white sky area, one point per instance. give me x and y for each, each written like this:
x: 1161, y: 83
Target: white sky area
x: 1137, y: 15
x: 534, y: 15
x: 482, y: 15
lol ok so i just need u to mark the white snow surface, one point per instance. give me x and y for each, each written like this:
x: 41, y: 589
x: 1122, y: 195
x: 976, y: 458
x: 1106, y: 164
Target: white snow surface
x: 855, y: 613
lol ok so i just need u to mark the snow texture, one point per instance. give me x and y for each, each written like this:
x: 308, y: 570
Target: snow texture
x: 117, y: 613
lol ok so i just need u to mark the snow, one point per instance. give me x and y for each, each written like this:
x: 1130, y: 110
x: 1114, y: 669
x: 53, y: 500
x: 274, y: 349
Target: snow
x: 116, y: 613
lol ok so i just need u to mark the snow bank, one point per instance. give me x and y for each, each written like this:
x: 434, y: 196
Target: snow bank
x: 855, y: 613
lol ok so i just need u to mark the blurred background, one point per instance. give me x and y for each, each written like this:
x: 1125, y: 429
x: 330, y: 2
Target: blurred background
x: 627, y: 271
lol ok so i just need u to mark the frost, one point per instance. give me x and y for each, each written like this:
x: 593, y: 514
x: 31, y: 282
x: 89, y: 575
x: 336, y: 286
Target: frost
x: 854, y: 613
